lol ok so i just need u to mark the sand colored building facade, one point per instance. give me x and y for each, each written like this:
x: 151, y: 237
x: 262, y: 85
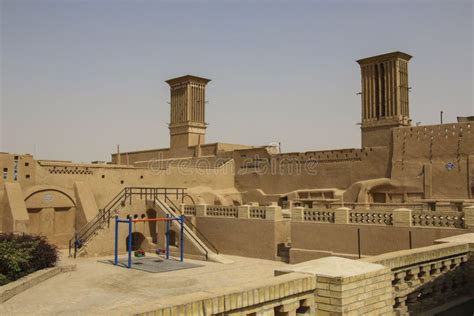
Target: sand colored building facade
x: 282, y: 198
x: 356, y: 225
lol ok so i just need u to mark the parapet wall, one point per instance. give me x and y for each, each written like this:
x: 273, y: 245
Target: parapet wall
x: 282, y: 173
x: 287, y: 294
x: 433, y: 142
x: 441, y: 155
x: 241, y: 230
x: 404, y: 282
x: 322, y: 156
x: 350, y: 233
x: 427, y: 277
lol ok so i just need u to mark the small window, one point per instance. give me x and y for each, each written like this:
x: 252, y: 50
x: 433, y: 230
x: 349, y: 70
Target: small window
x: 27, y: 176
x: 16, y: 158
x: 121, y: 181
x: 103, y: 176
x: 27, y: 164
x: 141, y: 177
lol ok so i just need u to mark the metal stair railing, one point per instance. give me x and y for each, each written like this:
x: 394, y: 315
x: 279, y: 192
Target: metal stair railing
x: 206, y: 248
x: 89, y: 230
x: 195, y: 230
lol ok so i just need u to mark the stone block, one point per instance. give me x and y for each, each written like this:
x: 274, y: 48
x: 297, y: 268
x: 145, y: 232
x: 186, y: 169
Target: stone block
x: 402, y: 217
x: 469, y: 216
x: 297, y: 214
x: 341, y: 215
x: 243, y: 211
x: 273, y: 213
x: 201, y: 210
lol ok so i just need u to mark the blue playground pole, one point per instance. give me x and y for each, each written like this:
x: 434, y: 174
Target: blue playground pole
x: 116, y: 240
x: 181, y: 240
x: 167, y: 238
x: 129, y: 242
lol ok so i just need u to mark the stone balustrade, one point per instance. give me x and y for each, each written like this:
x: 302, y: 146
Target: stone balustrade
x: 373, y: 217
x: 241, y: 212
x: 189, y: 210
x: 347, y: 287
x: 290, y: 294
x: 397, y: 283
x: 438, y: 219
x: 426, y: 277
x: 401, y: 217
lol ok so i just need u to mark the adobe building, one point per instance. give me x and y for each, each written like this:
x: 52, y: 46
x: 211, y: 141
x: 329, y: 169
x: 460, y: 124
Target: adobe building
x: 398, y: 166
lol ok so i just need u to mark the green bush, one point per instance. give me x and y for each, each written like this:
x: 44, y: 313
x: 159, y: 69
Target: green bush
x: 21, y: 254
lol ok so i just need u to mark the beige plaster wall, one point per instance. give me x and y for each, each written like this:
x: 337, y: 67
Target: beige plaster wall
x: 244, y: 237
x: 374, y: 240
x: 327, y: 169
x: 436, y: 146
x: 14, y: 215
x: 51, y: 213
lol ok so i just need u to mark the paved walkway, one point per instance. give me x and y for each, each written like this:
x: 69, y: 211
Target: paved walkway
x: 97, y: 288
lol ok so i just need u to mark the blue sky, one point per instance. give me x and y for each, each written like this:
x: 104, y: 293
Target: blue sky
x: 79, y: 77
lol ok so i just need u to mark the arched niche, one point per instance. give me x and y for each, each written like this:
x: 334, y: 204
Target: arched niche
x: 51, y: 212
x: 138, y: 241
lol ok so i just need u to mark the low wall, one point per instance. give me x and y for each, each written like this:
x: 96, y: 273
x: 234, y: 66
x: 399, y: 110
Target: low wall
x: 428, y: 277
x: 291, y: 294
x: 249, y: 231
x: 398, y: 283
x: 9, y: 290
x: 346, y: 232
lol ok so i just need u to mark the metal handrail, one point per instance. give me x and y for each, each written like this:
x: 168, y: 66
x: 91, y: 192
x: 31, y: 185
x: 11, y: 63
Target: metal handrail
x: 103, y: 212
x: 202, y: 236
x: 196, y: 239
x: 83, y: 235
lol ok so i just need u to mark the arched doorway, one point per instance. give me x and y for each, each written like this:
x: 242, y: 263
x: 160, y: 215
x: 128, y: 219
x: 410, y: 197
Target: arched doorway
x: 151, y: 213
x: 51, y: 213
x: 138, y: 240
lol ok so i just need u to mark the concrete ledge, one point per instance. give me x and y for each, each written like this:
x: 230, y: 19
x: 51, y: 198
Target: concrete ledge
x: 464, y: 238
x: 272, y: 291
x: 410, y: 257
x: 16, y: 287
x: 340, y: 269
x: 298, y: 255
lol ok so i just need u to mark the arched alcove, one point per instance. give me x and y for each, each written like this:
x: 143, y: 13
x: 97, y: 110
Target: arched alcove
x: 52, y: 213
x: 138, y: 240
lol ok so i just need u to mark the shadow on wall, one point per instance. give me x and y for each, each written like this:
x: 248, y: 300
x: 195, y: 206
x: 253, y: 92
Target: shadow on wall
x: 151, y: 213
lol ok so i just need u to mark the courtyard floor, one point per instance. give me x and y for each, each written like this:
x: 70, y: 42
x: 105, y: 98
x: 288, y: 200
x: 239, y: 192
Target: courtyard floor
x: 98, y: 288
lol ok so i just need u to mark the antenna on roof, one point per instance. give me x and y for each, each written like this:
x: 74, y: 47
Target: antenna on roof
x: 441, y: 116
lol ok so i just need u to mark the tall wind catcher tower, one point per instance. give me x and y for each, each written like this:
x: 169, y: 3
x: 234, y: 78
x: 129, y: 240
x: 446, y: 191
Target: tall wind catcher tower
x: 187, y: 124
x: 385, y: 102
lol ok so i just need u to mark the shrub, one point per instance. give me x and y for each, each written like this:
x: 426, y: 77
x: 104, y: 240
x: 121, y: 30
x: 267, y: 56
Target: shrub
x: 21, y: 254
x: 3, y: 280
